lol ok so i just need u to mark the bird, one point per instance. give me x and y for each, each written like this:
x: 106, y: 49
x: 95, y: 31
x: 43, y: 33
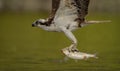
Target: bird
x: 67, y: 16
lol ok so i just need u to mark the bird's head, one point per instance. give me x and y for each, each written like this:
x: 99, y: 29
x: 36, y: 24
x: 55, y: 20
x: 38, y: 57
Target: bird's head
x: 39, y: 23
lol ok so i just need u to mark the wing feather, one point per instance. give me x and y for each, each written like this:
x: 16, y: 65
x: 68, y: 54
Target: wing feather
x: 55, y: 5
x: 69, y: 7
x: 82, y: 6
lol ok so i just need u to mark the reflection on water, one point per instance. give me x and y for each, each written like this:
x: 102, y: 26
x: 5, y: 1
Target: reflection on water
x: 51, y: 64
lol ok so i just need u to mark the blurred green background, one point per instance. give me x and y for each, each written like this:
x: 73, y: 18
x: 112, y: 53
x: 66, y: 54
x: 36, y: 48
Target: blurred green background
x: 23, y: 48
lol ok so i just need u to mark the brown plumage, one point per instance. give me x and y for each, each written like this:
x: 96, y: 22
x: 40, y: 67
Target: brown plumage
x: 81, y: 5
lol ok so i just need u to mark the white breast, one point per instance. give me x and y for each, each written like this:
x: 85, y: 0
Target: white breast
x: 66, y: 15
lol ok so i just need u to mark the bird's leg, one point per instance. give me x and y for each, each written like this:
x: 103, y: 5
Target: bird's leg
x: 73, y: 47
x: 70, y: 35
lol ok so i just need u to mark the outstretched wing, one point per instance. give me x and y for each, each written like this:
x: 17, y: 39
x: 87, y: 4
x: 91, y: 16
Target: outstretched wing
x: 55, y: 5
x: 69, y: 7
x: 82, y: 6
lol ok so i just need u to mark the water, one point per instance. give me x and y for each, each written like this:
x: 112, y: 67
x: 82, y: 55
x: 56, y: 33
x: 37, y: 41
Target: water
x: 23, y: 48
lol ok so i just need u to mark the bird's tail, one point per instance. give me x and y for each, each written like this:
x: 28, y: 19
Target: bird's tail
x: 95, y: 22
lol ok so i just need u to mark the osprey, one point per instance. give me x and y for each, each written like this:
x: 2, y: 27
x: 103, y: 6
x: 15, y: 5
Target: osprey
x: 66, y: 16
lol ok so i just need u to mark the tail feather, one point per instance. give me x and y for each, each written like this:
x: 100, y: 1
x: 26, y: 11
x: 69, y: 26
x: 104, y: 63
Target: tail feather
x: 94, y: 22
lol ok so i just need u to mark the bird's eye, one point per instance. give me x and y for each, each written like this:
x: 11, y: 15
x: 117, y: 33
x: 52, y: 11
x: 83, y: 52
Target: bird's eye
x: 39, y: 22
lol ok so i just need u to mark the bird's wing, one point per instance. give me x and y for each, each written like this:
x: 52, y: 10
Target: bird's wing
x: 69, y: 7
x: 82, y: 7
x: 78, y: 8
x: 55, y: 6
